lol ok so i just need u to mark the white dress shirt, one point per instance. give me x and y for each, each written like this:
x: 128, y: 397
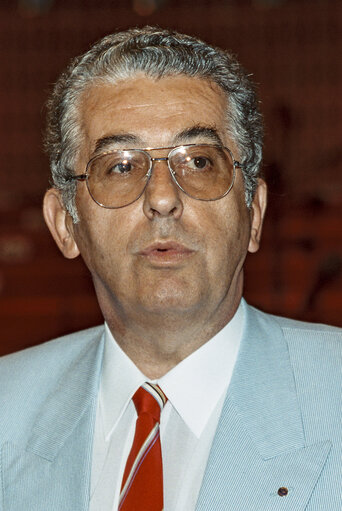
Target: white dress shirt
x: 195, y: 388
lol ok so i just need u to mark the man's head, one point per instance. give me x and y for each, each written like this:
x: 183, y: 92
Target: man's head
x: 167, y: 266
x: 157, y: 53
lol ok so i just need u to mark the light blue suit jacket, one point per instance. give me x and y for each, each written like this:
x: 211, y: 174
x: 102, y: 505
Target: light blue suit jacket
x: 281, y: 423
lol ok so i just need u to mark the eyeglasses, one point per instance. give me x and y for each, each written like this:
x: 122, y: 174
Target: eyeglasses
x: 117, y: 178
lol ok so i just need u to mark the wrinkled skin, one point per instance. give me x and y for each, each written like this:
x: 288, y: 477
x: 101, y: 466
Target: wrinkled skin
x: 160, y: 305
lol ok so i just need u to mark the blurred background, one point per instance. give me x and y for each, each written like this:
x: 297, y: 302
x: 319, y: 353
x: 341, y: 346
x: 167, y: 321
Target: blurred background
x: 293, y: 49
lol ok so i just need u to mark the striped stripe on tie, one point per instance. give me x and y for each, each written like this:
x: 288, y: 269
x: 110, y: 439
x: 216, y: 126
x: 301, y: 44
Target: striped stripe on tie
x: 142, y: 483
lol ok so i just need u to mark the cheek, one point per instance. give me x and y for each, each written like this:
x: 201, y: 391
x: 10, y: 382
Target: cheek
x: 94, y: 236
x: 228, y: 240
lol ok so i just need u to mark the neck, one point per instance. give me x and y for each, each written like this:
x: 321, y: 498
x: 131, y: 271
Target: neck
x: 158, y: 342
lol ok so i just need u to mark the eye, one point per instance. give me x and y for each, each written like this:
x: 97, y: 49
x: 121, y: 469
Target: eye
x: 122, y: 167
x: 198, y: 163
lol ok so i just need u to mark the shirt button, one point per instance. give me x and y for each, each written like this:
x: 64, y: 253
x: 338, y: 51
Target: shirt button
x: 283, y: 491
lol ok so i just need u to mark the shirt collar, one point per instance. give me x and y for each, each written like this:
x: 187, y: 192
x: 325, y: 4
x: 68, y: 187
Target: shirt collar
x: 119, y: 380
x: 193, y: 387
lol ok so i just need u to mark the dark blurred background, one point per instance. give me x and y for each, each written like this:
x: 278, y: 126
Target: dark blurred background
x: 292, y: 47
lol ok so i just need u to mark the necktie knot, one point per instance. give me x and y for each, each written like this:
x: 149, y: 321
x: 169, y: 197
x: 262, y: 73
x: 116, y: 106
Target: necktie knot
x: 149, y: 399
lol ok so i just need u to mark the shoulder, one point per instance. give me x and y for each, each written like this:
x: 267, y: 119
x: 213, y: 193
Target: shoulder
x: 317, y: 347
x: 310, y: 335
x: 314, y: 349
x: 298, y: 330
x: 67, y: 344
x: 46, y: 361
x: 288, y: 324
x: 38, y: 379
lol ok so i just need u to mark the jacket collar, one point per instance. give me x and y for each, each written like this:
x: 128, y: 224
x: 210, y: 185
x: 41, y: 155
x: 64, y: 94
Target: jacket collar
x: 263, y: 388
x: 74, y: 393
x: 54, y: 460
x: 259, y: 445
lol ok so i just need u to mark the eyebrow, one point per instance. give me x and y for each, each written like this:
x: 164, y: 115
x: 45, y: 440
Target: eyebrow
x: 125, y: 138
x: 207, y: 132
x: 187, y: 135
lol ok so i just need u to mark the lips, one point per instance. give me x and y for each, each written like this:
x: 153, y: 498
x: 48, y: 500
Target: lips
x: 166, y: 252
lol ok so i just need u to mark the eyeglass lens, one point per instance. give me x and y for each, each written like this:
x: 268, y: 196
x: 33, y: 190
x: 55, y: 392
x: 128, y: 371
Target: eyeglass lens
x: 118, y: 178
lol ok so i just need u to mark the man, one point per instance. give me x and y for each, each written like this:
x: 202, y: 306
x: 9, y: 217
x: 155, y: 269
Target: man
x: 155, y: 146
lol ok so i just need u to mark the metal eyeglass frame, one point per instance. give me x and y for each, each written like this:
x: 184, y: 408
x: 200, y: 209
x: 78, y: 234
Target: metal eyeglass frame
x: 84, y: 177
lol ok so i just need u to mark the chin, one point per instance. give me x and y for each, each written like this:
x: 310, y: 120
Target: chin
x: 172, y: 301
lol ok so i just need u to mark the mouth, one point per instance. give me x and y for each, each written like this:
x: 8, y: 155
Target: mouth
x: 168, y: 252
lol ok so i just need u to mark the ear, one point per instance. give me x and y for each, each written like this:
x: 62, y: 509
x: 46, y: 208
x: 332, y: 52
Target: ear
x: 60, y: 223
x: 257, y: 215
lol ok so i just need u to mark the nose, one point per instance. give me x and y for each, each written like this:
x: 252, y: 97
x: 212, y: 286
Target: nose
x: 162, y: 197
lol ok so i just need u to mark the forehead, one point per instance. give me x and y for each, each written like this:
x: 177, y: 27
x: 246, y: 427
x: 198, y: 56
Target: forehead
x: 152, y: 111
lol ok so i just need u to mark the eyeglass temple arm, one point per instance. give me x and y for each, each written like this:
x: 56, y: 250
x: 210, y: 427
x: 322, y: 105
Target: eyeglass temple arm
x: 79, y: 177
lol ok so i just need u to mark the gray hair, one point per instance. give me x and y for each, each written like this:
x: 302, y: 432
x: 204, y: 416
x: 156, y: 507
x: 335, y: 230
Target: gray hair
x: 157, y: 53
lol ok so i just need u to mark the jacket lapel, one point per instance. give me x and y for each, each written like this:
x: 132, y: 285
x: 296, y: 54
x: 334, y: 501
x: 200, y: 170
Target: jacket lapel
x: 259, y: 446
x: 59, y: 448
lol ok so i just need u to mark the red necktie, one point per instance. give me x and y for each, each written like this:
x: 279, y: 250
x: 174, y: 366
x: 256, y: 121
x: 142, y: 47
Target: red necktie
x: 142, y: 483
